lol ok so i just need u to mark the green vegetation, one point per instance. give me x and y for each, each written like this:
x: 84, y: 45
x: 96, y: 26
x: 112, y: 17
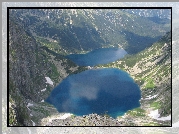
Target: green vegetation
x: 12, y: 114
x: 52, y: 45
x: 150, y: 83
x: 18, y: 113
x: 54, y: 74
x: 137, y: 112
x: 155, y: 105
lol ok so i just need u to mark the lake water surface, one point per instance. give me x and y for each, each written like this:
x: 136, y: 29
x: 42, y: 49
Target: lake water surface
x: 98, y: 56
x: 100, y: 91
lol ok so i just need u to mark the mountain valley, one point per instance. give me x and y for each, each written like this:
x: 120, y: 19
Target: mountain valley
x: 39, y: 40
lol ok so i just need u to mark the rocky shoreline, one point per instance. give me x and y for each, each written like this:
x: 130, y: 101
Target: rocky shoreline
x: 86, y: 120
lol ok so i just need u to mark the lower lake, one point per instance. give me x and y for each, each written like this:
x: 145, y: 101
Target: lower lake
x: 98, y: 56
x: 100, y: 91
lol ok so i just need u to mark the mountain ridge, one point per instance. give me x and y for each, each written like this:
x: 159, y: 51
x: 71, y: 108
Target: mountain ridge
x: 59, y: 25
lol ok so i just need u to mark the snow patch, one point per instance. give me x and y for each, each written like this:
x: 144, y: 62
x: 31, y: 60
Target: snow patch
x: 31, y: 115
x: 49, y: 81
x: 43, y: 90
x: 33, y: 123
x: 155, y: 115
x: 89, y: 67
x: 65, y: 116
x: 29, y: 105
x: 150, y: 97
x: 42, y: 101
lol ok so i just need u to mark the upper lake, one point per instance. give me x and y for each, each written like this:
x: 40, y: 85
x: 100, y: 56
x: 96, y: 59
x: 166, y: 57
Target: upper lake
x: 98, y: 56
x: 100, y: 91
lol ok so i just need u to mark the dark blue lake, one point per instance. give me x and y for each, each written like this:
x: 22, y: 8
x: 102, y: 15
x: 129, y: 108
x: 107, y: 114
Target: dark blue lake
x: 98, y: 56
x: 100, y: 91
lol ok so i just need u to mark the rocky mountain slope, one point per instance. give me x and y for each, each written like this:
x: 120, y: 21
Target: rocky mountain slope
x: 39, y: 39
x: 29, y: 64
x: 78, y: 30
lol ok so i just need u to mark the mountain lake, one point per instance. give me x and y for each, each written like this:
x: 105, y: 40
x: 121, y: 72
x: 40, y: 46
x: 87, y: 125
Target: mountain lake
x: 98, y: 56
x: 103, y: 91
